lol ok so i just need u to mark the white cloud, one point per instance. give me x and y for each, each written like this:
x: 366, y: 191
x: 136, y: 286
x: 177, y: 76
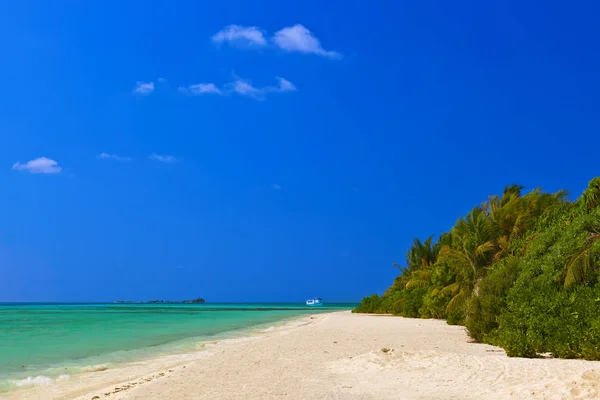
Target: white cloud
x: 275, y: 187
x: 162, y: 80
x: 298, y: 38
x: 106, y: 156
x: 245, y: 88
x: 239, y: 86
x: 201, y: 88
x: 40, y: 165
x: 163, y: 158
x: 241, y: 35
x: 284, y: 85
x: 144, y: 87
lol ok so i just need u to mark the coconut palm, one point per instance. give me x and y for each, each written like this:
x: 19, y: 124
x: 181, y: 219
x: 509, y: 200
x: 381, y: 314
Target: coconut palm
x: 590, y: 199
x: 473, y: 247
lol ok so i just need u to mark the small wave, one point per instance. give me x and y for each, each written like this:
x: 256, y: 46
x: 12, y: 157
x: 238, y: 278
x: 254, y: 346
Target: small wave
x: 94, y: 368
x: 40, y: 380
x: 269, y: 329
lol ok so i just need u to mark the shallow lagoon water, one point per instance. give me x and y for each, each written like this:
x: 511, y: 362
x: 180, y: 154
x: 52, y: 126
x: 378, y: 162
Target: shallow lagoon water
x: 40, y: 343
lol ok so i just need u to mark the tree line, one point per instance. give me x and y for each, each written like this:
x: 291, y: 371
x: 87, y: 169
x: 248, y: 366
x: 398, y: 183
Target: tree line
x: 520, y: 271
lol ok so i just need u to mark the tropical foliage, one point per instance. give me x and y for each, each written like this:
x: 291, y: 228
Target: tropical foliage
x: 520, y: 271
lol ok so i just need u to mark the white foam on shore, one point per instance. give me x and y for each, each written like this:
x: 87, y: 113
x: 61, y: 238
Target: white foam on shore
x: 40, y: 380
x: 33, y: 381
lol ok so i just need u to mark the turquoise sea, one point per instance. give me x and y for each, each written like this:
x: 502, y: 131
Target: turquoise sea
x: 47, y: 341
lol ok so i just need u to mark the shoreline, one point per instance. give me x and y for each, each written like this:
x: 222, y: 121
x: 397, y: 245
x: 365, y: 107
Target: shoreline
x: 95, y: 377
x: 343, y: 356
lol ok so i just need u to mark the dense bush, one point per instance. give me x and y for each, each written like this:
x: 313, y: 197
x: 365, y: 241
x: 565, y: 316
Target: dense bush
x: 373, y: 304
x: 564, y: 323
x: 456, y: 316
x: 412, y: 302
x: 519, y: 271
x: 485, y: 308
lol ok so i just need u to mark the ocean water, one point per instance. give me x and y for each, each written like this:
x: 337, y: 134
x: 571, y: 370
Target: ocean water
x: 41, y: 343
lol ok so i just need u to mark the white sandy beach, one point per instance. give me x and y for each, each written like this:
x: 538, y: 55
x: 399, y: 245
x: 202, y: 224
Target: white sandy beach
x: 339, y: 356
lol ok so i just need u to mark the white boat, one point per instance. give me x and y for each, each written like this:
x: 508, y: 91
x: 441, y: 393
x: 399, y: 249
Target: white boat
x: 317, y: 301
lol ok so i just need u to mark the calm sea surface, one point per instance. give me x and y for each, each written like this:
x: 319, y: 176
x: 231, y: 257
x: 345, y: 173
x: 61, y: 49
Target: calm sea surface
x: 44, y: 342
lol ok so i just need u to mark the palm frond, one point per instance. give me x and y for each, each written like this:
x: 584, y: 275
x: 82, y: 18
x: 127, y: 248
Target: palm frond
x: 458, y: 300
x: 581, y: 262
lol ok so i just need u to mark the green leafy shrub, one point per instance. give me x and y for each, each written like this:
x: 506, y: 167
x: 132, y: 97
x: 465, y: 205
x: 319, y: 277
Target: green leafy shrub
x: 519, y: 271
x: 435, y: 304
x: 456, y: 316
x: 484, y: 308
x: 412, y: 302
x: 373, y: 304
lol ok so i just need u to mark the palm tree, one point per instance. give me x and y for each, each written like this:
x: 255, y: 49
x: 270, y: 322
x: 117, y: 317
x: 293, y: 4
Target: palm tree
x: 420, y: 258
x: 473, y: 247
x: 514, y: 214
x: 583, y: 259
x: 590, y: 198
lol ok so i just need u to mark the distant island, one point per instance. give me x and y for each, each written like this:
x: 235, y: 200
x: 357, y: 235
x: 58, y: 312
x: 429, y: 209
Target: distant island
x: 199, y: 300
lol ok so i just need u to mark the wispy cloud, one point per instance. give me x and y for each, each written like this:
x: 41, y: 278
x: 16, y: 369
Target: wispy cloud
x: 240, y: 35
x: 284, y: 85
x: 163, y: 158
x: 298, y: 38
x: 239, y: 86
x: 106, y: 156
x: 40, y: 165
x: 245, y: 88
x: 275, y: 187
x: 143, y: 88
x: 201, y: 88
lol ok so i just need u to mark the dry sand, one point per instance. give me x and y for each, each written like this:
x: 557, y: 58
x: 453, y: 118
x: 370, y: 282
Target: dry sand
x: 340, y: 356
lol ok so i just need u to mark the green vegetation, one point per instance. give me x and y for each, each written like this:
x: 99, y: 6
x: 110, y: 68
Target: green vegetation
x: 519, y: 271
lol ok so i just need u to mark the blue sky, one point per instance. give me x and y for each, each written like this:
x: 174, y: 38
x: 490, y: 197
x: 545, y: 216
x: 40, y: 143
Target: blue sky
x: 151, y: 150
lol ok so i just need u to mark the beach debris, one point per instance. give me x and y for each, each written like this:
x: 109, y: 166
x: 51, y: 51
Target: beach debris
x: 95, y: 397
x: 334, y: 341
x: 385, y: 350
